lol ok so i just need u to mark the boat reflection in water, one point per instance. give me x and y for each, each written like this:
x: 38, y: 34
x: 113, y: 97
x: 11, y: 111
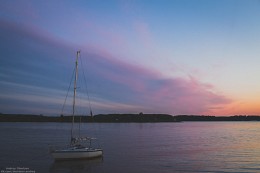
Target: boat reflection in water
x: 78, y: 166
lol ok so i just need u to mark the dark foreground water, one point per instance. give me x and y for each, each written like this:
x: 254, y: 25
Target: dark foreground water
x: 136, y: 147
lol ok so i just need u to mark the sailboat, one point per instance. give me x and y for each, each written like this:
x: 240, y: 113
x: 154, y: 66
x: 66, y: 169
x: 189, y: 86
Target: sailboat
x: 76, y: 149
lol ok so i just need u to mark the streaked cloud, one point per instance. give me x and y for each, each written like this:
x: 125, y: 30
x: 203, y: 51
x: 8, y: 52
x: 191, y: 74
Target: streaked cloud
x: 115, y: 85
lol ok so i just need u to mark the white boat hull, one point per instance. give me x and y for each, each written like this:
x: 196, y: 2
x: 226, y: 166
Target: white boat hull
x: 76, y: 154
x: 76, y: 150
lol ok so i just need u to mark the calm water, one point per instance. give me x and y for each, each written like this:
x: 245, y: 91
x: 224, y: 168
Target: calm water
x: 137, y: 148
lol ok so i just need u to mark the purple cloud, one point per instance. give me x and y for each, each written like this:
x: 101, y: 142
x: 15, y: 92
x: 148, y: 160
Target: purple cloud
x: 36, y: 59
x: 149, y: 88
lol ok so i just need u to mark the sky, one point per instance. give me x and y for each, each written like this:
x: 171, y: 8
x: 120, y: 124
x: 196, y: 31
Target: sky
x: 153, y: 56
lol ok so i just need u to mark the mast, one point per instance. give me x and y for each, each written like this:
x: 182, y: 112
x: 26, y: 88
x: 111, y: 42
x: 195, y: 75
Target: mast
x: 74, y: 95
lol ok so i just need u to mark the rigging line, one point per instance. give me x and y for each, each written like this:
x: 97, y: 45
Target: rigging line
x: 67, y: 92
x: 86, y: 86
x: 63, y: 106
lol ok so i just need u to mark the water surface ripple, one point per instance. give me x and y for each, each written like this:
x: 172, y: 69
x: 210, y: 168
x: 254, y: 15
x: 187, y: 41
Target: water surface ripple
x: 137, y: 147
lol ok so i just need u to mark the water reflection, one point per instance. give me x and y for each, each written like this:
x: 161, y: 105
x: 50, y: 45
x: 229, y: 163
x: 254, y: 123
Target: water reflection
x: 141, y: 148
x: 76, y: 166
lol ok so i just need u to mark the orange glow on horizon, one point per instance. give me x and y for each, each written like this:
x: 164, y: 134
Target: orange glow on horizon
x: 249, y: 107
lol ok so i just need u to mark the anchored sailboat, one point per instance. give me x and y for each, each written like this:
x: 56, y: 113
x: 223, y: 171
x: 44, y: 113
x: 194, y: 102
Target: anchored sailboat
x: 76, y: 150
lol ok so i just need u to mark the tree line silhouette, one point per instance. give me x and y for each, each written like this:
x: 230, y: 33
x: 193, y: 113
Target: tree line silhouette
x: 124, y: 118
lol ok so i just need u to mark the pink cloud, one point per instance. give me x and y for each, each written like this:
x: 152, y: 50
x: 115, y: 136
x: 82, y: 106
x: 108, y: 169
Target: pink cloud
x: 123, y: 83
x: 182, y: 96
x: 156, y: 93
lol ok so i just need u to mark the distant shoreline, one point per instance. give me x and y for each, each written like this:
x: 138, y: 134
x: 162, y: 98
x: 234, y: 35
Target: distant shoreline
x: 124, y: 118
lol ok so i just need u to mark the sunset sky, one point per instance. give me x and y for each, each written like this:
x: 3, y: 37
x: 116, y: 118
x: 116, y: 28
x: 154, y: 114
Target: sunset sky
x: 150, y: 56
